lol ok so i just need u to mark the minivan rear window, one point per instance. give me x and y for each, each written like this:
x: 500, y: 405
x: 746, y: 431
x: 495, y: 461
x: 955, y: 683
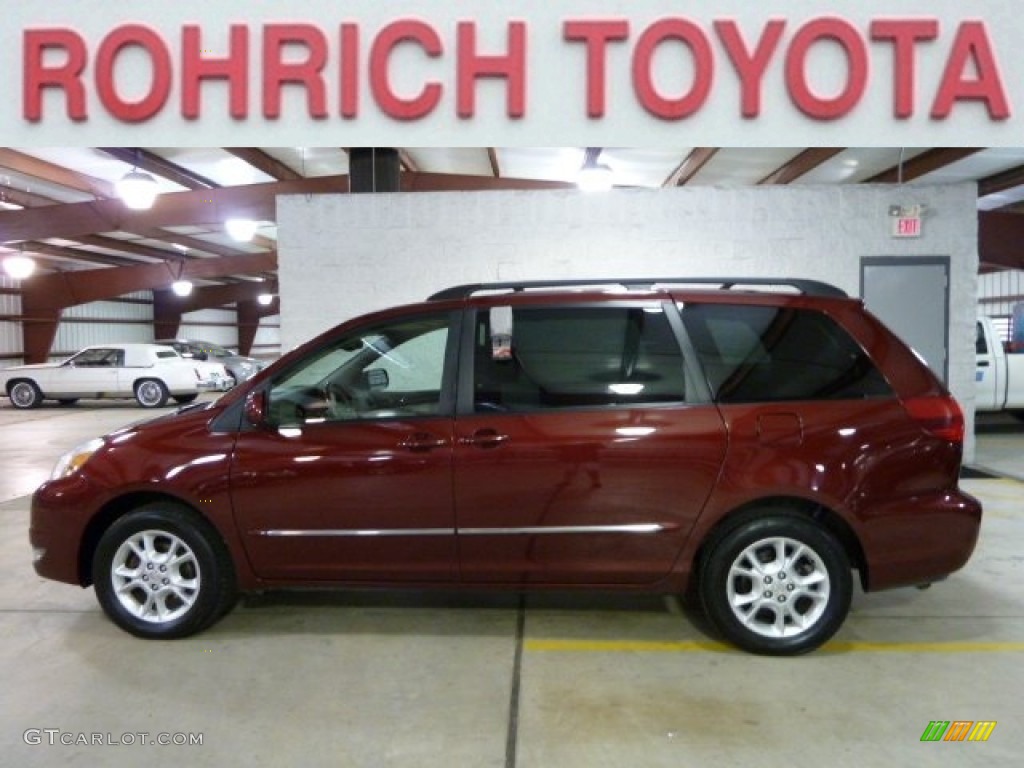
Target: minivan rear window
x: 756, y: 354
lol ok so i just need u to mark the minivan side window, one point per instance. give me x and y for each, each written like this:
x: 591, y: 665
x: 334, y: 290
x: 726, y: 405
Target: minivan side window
x: 570, y: 357
x: 764, y: 354
x: 393, y: 370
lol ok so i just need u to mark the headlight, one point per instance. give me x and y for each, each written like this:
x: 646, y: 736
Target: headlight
x: 75, y: 459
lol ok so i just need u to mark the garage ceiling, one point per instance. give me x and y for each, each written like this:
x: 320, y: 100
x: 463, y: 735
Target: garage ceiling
x: 59, y: 205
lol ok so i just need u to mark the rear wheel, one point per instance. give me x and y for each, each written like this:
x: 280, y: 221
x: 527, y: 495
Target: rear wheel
x: 776, y: 584
x: 25, y: 394
x: 163, y: 572
x: 151, y: 393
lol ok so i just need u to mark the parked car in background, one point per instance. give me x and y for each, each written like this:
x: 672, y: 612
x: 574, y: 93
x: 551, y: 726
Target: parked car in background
x: 239, y: 367
x: 754, y: 448
x: 999, y: 378
x: 213, y: 377
x: 150, y: 373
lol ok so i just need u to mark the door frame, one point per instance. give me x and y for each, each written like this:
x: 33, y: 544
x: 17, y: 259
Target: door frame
x: 917, y: 261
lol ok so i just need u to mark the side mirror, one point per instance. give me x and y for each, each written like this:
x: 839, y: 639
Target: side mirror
x: 256, y: 408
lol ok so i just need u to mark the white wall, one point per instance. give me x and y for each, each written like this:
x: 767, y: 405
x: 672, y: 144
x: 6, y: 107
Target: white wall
x: 10, y: 330
x: 133, y: 322
x: 267, y: 344
x: 217, y: 326
x: 342, y: 255
x: 997, y: 289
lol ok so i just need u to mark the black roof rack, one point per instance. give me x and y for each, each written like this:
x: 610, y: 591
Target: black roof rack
x: 808, y: 287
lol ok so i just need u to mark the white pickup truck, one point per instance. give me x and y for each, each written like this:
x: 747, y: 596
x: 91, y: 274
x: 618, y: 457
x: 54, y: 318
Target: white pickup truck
x: 999, y: 377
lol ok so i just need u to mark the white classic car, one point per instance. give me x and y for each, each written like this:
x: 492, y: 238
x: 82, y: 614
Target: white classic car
x: 147, y: 372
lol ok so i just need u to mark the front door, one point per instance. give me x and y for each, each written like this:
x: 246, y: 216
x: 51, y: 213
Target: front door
x: 92, y: 372
x: 579, y: 457
x: 350, y: 479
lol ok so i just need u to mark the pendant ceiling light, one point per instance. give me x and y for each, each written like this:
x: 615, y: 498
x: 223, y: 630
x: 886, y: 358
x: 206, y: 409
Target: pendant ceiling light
x: 138, y: 190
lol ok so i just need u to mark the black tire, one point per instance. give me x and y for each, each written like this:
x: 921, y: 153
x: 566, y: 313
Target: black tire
x: 195, y: 588
x: 151, y: 393
x: 25, y: 394
x: 770, y: 602
x: 185, y: 399
x: 68, y: 400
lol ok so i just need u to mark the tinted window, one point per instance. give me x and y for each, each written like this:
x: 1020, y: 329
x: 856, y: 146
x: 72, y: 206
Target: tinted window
x: 386, y: 371
x: 99, y: 358
x: 580, y: 356
x: 980, y: 345
x: 753, y: 354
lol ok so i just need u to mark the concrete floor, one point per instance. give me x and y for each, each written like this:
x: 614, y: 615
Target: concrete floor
x: 452, y: 680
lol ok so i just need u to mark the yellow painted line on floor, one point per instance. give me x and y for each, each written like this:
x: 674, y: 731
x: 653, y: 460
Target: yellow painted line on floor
x: 697, y: 646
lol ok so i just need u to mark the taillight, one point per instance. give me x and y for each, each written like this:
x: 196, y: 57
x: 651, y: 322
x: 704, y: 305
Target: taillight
x: 939, y: 415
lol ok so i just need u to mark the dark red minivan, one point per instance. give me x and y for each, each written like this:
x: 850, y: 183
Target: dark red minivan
x: 756, y: 447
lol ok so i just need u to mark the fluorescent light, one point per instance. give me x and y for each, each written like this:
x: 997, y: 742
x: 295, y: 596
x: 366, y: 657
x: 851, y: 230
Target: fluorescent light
x: 242, y: 230
x: 138, y: 190
x: 595, y: 178
x: 182, y: 288
x: 19, y: 267
x: 266, y: 299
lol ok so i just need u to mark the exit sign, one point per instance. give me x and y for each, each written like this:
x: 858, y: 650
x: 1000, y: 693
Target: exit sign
x: 906, y: 226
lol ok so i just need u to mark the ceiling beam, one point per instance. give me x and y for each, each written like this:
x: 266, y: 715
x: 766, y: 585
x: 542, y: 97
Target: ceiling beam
x: 130, y: 246
x: 408, y: 164
x: 211, y: 296
x: 261, y: 161
x: 24, y: 199
x: 999, y: 237
x: 160, y: 166
x: 67, y: 289
x: 801, y: 164
x: 925, y: 163
x: 187, y: 241
x: 77, y: 254
x: 451, y: 182
x: 201, y: 207
x: 690, y: 167
x: 1002, y: 181
x: 54, y: 174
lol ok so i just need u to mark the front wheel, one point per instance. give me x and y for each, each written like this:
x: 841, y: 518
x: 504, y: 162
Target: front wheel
x: 163, y: 572
x: 25, y: 395
x: 151, y: 393
x: 778, y: 584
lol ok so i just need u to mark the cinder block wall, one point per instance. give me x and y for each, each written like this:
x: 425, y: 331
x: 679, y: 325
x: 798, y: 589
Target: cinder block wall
x: 342, y: 255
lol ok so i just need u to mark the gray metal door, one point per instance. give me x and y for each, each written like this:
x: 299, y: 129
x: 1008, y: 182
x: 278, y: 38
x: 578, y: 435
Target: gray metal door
x: 911, y: 296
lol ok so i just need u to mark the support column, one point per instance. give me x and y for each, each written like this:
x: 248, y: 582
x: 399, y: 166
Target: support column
x: 166, y: 315
x: 38, y: 330
x: 248, y: 324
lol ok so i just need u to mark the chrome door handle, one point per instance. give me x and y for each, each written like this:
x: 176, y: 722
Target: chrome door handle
x: 484, y: 438
x: 422, y: 442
